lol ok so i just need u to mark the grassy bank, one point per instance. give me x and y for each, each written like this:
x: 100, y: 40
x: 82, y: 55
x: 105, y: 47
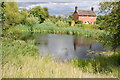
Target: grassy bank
x: 101, y: 64
x: 51, y: 28
x: 21, y: 59
x: 45, y: 68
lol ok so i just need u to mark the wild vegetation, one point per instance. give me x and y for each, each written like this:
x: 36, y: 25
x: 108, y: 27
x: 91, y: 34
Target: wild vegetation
x: 21, y: 60
x: 20, y: 57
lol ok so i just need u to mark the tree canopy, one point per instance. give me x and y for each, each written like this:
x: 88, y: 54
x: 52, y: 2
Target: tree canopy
x: 41, y: 13
x: 11, y: 16
x: 112, y: 21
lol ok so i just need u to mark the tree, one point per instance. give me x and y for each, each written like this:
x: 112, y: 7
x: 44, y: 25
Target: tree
x: 106, y: 7
x: 100, y: 21
x: 46, y: 11
x: 11, y: 16
x: 112, y: 23
x: 70, y: 19
x: 53, y: 19
x: 41, y: 13
x: 30, y: 21
x: 1, y: 12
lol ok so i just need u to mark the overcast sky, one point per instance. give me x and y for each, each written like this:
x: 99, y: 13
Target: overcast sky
x: 60, y: 7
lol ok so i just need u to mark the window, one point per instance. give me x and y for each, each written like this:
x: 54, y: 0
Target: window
x: 91, y: 17
x: 82, y: 16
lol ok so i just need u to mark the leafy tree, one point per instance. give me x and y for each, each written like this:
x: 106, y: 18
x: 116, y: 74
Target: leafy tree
x: 41, y: 13
x: 25, y: 15
x: 78, y: 22
x: 106, y: 7
x: 31, y: 21
x: 100, y: 21
x: 1, y: 12
x: 112, y: 22
x: 61, y: 24
x: 70, y: 19
x: 53, y: 19
x: 46, y: 11
x: 73, y: 23
x: 11, y: 16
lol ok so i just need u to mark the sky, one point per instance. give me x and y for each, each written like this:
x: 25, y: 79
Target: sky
x: 60, y: 7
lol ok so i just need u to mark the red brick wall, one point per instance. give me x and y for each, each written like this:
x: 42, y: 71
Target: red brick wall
x: 91, y: 19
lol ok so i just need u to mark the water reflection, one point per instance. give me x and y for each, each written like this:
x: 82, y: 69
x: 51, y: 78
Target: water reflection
x: 78, y: 42
x: 67, y: 47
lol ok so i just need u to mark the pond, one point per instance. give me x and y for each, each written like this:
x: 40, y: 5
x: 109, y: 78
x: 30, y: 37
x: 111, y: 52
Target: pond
x: 68, y: 47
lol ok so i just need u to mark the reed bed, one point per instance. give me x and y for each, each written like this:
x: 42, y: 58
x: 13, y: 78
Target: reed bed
x: 51, y: 28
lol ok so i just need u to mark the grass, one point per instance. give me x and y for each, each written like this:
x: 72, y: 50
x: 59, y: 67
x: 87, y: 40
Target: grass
x: 45, y: 68
x: 52, y: 28
x: 21, y: 59
x: 101, y: 64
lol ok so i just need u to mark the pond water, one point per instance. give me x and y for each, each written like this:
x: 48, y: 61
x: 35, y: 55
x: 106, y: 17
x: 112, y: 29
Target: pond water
x: 67, y: 47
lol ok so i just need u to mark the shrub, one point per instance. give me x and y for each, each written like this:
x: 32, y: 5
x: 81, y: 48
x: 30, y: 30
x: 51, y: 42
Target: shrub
x: 15, y: 48
x: 100, y: 64
x: 78, y: 22
x: 61, y: 24
x: 72, y: 23
x: 48, y: 21
x: 31, y: 21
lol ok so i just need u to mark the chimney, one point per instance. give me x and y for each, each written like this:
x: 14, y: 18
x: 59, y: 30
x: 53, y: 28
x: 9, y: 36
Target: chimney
x: 76, y: 9
x: 92, y: 9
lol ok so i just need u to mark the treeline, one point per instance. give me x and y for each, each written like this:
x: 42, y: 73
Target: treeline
x: 11, y: 15
x: 110, y: 21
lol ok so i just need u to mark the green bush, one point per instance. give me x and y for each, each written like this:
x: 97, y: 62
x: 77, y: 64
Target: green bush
x: 31, y: 21
x: 61, y: 24
x: 13, y: 33
x: 78, y: 22
x: 48, y: 21
x: 15, y: 48
x: 100, y: 64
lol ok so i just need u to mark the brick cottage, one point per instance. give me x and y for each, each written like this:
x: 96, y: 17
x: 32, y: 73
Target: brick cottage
x: 87, y: 16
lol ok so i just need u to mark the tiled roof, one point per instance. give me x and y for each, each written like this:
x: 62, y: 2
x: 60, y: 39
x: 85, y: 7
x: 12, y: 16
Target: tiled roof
x: 86, y: 12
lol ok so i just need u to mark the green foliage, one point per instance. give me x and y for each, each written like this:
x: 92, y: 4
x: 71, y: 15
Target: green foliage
x: 99, y: 64
x: 1, y: 12
x: 53, y: 19
x: 16, y: 32
x: 89, y: 26
x: 100, y: 21
x: 46, y: 11
x: 41, y: 13
x: 112, y: 23
x: 106, y: 7
x: 48, y: 21
x: 31, y: 21
x: 12, y: 49
x: 78, y: 23
x: 11, y: 15
x: 52, y: 28
x: 72, y: 23
x: 61, y: 24
x: 13, y: 33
